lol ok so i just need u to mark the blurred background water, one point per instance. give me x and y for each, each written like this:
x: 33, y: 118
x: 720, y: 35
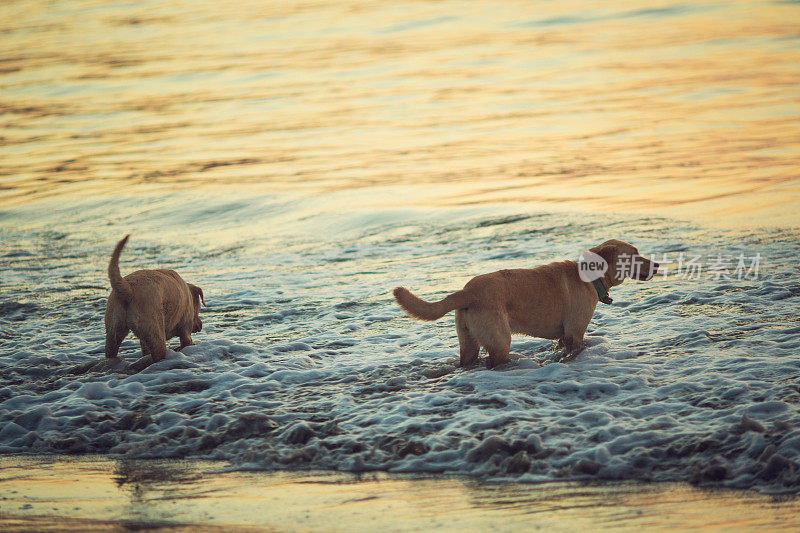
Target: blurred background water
x: 617, y: 104
x: 298, y: 160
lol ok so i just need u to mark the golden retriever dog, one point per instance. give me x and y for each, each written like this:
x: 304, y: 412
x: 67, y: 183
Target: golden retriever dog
x: 551, y: 302
x: 156, y: 305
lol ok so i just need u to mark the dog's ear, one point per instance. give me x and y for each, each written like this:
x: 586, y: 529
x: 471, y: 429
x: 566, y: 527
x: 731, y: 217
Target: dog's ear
x: 609, y: 252
x: 197, y: 292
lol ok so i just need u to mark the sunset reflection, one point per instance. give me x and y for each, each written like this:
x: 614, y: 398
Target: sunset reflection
x: 688, y: 110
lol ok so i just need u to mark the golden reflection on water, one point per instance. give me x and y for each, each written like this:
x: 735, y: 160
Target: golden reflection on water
x: 672, y: 108
x: 39, y: 491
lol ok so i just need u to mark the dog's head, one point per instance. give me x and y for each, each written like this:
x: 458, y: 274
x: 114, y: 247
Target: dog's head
x: 197, y: 298
x: 624, y: 261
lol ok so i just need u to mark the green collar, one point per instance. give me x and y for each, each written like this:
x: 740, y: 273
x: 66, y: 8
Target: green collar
x: 602, y: 292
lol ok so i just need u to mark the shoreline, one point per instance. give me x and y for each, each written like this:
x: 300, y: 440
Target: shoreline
x: 38, y: 493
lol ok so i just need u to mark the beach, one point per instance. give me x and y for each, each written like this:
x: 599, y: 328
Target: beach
x: 298, y: 162
x: 199, y: 495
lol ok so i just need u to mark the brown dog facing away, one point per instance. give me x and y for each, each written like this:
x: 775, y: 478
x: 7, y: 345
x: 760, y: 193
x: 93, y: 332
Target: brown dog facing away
x: 550, y: 302
x: 156, y: 305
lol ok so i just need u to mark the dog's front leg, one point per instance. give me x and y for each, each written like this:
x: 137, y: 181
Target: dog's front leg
x: 186, y: 340
x: 572, y: 345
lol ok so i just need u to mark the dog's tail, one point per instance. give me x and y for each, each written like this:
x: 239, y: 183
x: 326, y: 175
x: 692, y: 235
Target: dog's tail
x: 119, y: 285
x: 423, y: 310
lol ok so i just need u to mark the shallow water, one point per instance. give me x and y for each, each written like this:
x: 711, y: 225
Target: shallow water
x: 305, y: 361
x: 298, y: 163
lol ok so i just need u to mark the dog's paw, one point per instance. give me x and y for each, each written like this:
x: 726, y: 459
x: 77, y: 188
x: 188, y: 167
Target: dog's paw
x: 139, y: 365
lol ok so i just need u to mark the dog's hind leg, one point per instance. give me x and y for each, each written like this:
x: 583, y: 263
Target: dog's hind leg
x: 158, y: 348
x: 492, y: 331
x: 152, y: 352
x: 498, y: 353
x: 152, y: 336
x: 468, y: 347
x: 115, y: 334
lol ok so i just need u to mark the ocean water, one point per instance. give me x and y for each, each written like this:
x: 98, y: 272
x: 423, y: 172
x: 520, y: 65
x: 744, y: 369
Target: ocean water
x: 300, y: 162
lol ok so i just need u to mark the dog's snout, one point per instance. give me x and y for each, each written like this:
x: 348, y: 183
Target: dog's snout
x: 653, y: 271
x: 646, y: 270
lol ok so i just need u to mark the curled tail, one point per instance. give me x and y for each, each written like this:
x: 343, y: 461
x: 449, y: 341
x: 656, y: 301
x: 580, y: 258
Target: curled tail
x: 119, y: 285
x: 423, y: 310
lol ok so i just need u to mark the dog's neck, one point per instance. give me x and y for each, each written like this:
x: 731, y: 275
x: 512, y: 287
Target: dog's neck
x: 599, y: 286
x: 602, y: 291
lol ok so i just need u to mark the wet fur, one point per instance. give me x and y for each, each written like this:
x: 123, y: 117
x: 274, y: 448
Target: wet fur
x: 156, y: 305
x: 550, y: 302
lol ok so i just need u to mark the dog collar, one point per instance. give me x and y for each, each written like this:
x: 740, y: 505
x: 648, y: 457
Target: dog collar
x: 602, y: 292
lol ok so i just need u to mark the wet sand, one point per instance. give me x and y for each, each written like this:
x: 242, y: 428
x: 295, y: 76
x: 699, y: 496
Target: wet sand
x: 98, y: 494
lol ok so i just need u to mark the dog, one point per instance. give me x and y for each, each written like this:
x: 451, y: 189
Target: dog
x: 551, y: 302
x: 156, y: 305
